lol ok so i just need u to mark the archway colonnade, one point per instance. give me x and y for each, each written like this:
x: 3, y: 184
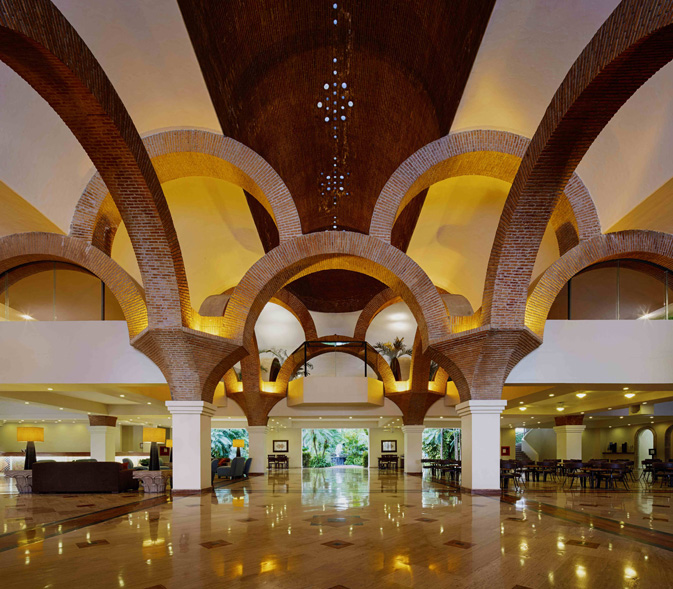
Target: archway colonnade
x: 195, y: 352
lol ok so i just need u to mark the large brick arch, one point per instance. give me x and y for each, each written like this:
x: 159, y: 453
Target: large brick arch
x: 23, y: 248
x: 39, y: 44
x: 631, y: 46
x: 335, y: 250
x: 496, y: 154
x: 650, y: 246
x: 381, y: 301
x: 190, y: 152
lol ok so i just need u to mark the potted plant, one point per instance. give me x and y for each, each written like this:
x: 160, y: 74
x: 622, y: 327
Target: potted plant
x: 393, y: 351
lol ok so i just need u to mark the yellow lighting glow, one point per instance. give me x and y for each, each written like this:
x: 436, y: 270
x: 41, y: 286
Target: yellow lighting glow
x: 239, y: 443
x: 523, y: 408
x: 30, y: 434
x: 581, y: 395
x: 630, y: 395
x: 154, y: 434
x: 169, y: 443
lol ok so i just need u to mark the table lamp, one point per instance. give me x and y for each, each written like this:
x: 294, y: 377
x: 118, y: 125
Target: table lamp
x: 169, y: 444
x: 30, y: 435
x: 155, y: 435
x: 238, y: 444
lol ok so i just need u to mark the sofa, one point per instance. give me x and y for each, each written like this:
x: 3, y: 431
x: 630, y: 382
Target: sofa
x: 82, y: 477
x: 234, y: 471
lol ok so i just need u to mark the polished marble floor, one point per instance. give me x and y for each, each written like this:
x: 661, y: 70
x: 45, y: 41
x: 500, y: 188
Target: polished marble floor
x: 332, y: 528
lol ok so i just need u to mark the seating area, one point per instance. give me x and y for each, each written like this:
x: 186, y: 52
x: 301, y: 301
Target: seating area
x: 85, y: 476
x: 277, y: 461
x: 238, y: 468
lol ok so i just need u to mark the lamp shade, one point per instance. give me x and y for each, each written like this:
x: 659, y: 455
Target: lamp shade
x: 30, y: 434
x: 239, y: 443
x: 169, y: 443
x: 154, y: 434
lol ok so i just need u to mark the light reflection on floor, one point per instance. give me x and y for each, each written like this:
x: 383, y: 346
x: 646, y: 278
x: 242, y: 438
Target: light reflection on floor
x: 338, y: 527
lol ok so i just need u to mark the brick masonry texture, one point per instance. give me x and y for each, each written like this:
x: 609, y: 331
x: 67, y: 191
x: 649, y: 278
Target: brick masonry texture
x: 38, y: 43
x: 631, y: 46
x: 190, y: 152
x: 22, y: 248
x: 496, y: 154
x: 108, y: 420
x: 650, y: 246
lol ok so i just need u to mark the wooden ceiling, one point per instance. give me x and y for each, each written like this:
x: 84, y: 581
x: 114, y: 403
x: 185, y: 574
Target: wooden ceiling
x: 335, y: 95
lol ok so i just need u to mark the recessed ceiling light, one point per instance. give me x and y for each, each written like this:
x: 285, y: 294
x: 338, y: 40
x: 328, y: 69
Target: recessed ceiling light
x: 582, y: 412
x: 441, y: 417
x: 26, y: 403
x: 520, y: 402
x: 149, y: 403
x: 609, y: 408
x: 591, y: 416
x: 27, y: 317
x: 581, y: 395
x: 630, y: 395
x: 523, y: 408
x: 626, y: 388
x: 60, y: 408
x: 122, y: 395
x: 49, y: 389
x: 644, y: 402
x: 350, y: 417
x: 621, y: 417
x: 551, y: 394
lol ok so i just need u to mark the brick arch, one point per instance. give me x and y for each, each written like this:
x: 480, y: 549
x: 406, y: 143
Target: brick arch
x: 650, y: 246
x: 336, y: 250
x: 190, y: 152
x: 23, y: 248
x: 40, y: 45
x: 630, y: 47
x: 381, y: 301
x: 496, y: 154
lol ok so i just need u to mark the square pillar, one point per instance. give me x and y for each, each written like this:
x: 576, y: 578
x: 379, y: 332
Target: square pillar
x: 569, y: 441
x: 103, y: 431
x: 191, y: 445
x: 413, y: 448
x: 257, y: 435
x: 480, y: 439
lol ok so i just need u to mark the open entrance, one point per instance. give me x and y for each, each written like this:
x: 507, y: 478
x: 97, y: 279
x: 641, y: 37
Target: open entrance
x: 441, y: 444
x: 325, y: 448
x: 644, y: 443
x: 222, y: 442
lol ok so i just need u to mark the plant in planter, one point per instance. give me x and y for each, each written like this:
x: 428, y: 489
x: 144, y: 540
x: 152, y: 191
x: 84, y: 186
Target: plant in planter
x: 393, y: 351
x: 280, y: 355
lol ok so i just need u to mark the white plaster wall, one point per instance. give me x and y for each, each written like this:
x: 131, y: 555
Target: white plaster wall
x: 51, y: 352
x: 293, y: 436
x: 375, y: 437
x: 508, y: 438
x: 58, y: 437
x: 617, y: 352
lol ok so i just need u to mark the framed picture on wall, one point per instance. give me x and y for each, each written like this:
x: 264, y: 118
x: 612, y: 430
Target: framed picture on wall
x: 280, y: 446
x: 388, y: 445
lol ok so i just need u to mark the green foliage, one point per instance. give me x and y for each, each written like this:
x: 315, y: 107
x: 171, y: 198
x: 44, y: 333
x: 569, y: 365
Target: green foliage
x: 221, y: 441
x: 393, y: 350
x: 305, y: 457
x: 365, y: 459
x: 282, y: 355
x: 519, y: 433
x: 319, y: 462
x: 144, y: 462
x: 433, y: 439
x: 321, y: 444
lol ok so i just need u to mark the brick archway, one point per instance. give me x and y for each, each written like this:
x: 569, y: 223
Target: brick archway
x: 650, y: 246
x: 40, y: 45
x: 336, y: 250
x: 496, y: 154
x: 22, y: 248
x: 190, y: 152
x: 630, y: 47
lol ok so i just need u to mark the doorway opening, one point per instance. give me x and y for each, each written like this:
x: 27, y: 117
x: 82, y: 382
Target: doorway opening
x: 325, y: 448
x: 644, y: 443
x: 441, y: 444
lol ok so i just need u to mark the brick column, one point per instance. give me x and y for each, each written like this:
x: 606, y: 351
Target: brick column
x: 568, y: 432
x: 257, y: 435
x: 413, y: 448
x: 480, y: 440
x: 103, y: 430
x: 191, y: 445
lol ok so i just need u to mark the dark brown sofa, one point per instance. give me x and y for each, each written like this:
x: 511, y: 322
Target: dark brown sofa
x: 82, y: 477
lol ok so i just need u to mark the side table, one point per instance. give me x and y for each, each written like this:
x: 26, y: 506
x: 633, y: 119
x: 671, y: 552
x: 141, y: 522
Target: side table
x: 154, y: 481
x: 23, y: 478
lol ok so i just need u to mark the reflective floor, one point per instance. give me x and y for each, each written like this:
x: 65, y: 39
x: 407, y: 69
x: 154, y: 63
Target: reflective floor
x: 340, y: 527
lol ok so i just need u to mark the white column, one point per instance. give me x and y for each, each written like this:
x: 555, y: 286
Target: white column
x: 413, y: 448
x: 257, y: 448
x: 103, y: 442
x: 569, y: 441
x: 191, y: 444
x: 480, y: 440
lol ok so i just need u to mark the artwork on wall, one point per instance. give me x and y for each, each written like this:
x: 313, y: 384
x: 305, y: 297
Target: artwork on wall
x: 504, y: 450
x: 280, y: 446
x: 388, y: 445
